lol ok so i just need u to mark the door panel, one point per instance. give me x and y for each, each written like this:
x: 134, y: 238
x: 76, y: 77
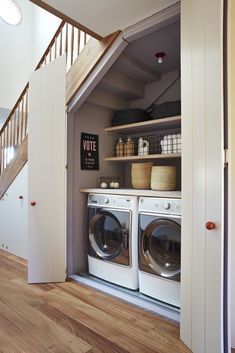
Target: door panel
x: 202, y: 196
x: 47, y: 156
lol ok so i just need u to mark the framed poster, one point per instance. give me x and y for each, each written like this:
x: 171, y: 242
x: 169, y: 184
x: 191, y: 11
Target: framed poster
x: 89, y: 151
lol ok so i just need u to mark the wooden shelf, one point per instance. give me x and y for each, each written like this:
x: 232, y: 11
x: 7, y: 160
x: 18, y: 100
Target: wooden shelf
x: 146, y: 126
x: 147, y: 157
x: 134, y: 192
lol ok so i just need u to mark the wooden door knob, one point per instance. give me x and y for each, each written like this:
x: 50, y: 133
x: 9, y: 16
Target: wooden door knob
x: 33, y: 203
x: 210, y: 225
x: 21, y: 197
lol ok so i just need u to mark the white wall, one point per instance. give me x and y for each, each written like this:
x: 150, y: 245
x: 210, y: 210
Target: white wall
x: 21, y: 48
x: 44, y: 28
x: 16, y: 55
x: 105, y: 17
x: 13, y: 216
x: 3, y: 115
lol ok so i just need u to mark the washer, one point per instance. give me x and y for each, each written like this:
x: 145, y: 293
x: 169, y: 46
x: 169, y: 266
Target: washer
x: 113, y: 238
x: 160, y: 248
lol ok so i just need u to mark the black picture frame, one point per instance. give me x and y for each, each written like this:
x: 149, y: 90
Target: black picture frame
x: 89, y: 149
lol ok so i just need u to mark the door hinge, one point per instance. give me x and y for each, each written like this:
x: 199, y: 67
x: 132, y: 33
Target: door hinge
x: 225, y: 158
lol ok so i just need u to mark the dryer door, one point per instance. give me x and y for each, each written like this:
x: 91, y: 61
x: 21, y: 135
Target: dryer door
x: 161, y: 247
x: 109, y: 235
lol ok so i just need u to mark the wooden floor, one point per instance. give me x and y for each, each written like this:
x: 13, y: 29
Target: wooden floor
x: 70, y: 317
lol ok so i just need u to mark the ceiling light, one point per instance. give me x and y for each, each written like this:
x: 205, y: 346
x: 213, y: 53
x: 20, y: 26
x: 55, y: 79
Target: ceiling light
x: 10, y: 12
x: 160, y: 55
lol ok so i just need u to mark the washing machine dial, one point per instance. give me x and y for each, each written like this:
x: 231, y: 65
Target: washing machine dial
x: 106, y: 201
x: 167, y: 205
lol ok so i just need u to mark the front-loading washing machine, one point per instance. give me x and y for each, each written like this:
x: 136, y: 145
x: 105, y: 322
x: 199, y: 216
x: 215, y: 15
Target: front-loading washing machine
x: 160, y: 248
x: 113, y: 238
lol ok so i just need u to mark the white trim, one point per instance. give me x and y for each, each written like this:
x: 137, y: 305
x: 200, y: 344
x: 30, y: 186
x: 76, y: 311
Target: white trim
x: 160, y: 19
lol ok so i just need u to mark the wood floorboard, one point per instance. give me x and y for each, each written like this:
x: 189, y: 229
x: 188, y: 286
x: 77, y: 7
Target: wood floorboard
x: 73, y: 318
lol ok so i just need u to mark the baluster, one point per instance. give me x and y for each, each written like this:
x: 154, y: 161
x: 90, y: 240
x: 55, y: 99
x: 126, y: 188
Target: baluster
x: 3, y: 150
x: 55, y: 46
x: 5, y: 147
x: 66, y: 39
x: 60, y: 36
x: 17, y: 126
x: 72, y: 45
x: 8, y: 143
x: 19, y: 123
x: 26, y: 110
x: 11, y: 132
x: 0, y: 154
x: 15, y: 129
x: 79, y: 40
x: 50, y: 56
x: 22, y: 119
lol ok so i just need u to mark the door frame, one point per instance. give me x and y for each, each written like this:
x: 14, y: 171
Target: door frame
x: 231, y: 169
x: 136, y: 31
x: 190, y: 333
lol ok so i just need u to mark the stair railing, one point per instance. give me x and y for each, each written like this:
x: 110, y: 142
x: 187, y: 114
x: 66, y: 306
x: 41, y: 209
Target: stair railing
x: 67, y: 40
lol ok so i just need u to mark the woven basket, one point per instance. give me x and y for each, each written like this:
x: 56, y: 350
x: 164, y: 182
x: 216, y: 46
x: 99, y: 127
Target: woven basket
x: 163, y: 178
x: 141, y: 175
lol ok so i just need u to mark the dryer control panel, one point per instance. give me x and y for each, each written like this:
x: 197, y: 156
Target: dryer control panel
x: 160, y: 205
x: 115, y: 201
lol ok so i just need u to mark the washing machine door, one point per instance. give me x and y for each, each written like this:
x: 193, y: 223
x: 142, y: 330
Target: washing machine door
x: 161, y: 246
x: 107, y: 235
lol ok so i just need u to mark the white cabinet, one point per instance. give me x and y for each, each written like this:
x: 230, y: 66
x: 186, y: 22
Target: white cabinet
x: 202, y: 325
x: 47, y: 174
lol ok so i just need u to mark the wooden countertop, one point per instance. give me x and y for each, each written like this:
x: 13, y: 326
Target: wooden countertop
x: 134, y: 192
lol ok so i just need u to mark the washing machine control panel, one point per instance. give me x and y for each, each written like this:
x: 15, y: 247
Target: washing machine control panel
x: 115, y: 201
x: 159, y: 205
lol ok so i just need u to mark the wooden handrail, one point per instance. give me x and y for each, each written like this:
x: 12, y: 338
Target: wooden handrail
x: 66, y: 40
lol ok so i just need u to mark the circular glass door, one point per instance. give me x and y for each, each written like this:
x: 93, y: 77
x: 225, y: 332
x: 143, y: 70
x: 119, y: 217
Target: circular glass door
x: 106, y: 235
x: 162, y: 247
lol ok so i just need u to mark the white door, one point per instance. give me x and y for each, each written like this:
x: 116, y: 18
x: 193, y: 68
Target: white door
x: 47, y: 174
x: 202, y: 129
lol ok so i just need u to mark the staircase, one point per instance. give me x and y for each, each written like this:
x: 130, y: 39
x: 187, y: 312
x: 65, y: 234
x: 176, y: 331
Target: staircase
x: 82, y: 53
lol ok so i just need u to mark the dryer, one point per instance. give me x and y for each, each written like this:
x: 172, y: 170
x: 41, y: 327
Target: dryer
x: 160, y: 248
x: 113, y: 238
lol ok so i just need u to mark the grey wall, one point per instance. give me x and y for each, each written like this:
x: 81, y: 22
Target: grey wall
x: 90, y: 119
